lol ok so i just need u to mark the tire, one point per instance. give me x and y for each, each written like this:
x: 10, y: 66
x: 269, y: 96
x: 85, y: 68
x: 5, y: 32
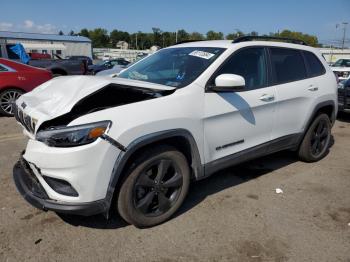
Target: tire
x: 7, y: 98
x: 316, y: 140
x: 149, y: 196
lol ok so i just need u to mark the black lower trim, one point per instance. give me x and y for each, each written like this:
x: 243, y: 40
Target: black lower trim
x: 229, y: 145
x: 286, y: 142
x: 319, y: 107
x: 32, y: 191
x: 114, y: 142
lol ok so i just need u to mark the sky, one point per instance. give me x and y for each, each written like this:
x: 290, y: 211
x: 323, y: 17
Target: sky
x: 318, y: 17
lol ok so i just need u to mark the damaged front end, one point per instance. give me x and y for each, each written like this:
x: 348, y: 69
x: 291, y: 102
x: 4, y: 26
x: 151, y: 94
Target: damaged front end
x: 65, y: 158
x: 58, y: 102
x: 56, y: 131
x: 112, y: 95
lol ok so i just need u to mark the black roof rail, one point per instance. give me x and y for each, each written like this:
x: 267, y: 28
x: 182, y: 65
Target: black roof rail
x: 187, y: 41
x: 281, y: 39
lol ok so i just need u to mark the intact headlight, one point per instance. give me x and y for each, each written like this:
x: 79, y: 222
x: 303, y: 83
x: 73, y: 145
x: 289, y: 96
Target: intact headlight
x: 73, y: 135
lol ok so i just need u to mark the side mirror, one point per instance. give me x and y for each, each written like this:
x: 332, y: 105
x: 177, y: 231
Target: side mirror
x: 228, y: 83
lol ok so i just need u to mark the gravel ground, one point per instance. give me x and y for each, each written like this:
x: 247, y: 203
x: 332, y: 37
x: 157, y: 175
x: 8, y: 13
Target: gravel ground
x: 234, y: 215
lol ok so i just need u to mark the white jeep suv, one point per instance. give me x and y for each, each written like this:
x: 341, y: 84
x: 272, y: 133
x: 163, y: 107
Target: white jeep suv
x: 132, y: 143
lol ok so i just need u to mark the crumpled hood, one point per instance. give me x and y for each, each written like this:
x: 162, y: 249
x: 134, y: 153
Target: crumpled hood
x: 58, y: 96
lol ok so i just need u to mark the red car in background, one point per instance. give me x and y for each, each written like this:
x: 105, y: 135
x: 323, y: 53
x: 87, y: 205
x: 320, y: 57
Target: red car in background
x: 16, y: 79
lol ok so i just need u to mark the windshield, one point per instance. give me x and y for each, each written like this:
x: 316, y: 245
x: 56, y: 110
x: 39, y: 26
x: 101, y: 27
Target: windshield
x: 342, y: 62
x: 175, y: 67
x: 102, y: 63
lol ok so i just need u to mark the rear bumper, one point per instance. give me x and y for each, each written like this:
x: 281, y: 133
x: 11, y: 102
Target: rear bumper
x: 32, y: 191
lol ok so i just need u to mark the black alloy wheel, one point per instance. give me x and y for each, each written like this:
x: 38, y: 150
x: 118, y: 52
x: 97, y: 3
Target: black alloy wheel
x: 320, y: 138
x: 158, y: 187
x: 317, y: 139
x: 154, y: 187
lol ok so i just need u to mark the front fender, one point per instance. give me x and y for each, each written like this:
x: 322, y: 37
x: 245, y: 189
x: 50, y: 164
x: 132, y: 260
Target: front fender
x: 148, y: 139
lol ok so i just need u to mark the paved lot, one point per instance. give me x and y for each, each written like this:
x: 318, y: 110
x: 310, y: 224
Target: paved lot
x: 232, y: 216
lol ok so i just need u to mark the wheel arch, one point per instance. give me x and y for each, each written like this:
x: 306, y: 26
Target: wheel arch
x: 12, y: 87
x: 327, y: 107
x: 181, y: 139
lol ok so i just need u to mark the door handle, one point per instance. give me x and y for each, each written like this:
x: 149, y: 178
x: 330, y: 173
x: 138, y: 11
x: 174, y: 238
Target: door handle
x: 312, y: 88
x: 267, y: 98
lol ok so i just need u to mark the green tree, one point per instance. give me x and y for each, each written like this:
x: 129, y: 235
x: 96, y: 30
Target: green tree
x: 169, y: 38
x: 182, y: 35
x: 84, y: 32
x: 71, y: 32
x: 308, y: 39
x: 233, y: 36
x: 99, y: 37
x: 196, y: 36
x: 212, y: 35
x: 116, y: 36
x: 60, y: 32
x: 156, y: 36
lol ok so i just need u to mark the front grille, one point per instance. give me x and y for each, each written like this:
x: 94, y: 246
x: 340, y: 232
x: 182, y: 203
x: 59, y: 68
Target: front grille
x: 27, y: 122
x: 343, y: 74
x: 344, y: 97
x: 32, y: 182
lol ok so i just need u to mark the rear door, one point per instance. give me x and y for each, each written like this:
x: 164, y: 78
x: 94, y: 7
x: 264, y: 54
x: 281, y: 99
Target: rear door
x: 297, y: 85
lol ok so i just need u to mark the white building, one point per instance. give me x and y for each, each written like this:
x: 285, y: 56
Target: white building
x: 332, y: 55
x: 63, y: 45
x: 122, y: 45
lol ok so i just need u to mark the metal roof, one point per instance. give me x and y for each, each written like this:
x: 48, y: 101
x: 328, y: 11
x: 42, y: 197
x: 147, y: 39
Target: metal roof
x: 47, y: 37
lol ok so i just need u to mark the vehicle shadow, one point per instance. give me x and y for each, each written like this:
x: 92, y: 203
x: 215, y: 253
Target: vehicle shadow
x: 96, y: 221
x: 343, y: 117
x: 200, y: 190
x: 235, y: 176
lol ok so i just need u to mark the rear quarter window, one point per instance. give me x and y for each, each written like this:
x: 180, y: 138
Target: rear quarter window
x: 314, y: 65
x: 287, y: 65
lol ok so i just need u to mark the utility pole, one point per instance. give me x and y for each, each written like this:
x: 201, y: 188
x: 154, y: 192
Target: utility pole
x: 237, y: 30
x: 136, y: 41
x: 344, y: 34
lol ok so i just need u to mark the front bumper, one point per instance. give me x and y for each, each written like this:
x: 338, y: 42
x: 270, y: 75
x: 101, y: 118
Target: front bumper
x: 344, y: 99
x: 30, y: 188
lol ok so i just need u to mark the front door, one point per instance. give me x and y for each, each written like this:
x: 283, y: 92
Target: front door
x: 235, y: 121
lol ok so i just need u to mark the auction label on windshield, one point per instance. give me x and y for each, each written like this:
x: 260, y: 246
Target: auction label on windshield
x: 201, y: 54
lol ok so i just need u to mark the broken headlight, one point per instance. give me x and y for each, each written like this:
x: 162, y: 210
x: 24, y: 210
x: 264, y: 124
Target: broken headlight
x: 73, y: 135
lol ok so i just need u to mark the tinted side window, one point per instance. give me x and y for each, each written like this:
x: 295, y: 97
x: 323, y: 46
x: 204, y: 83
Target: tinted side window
x: 10, y: 53
x: 249, y: 63
x: 314, y: 65
x: 287, y: 65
